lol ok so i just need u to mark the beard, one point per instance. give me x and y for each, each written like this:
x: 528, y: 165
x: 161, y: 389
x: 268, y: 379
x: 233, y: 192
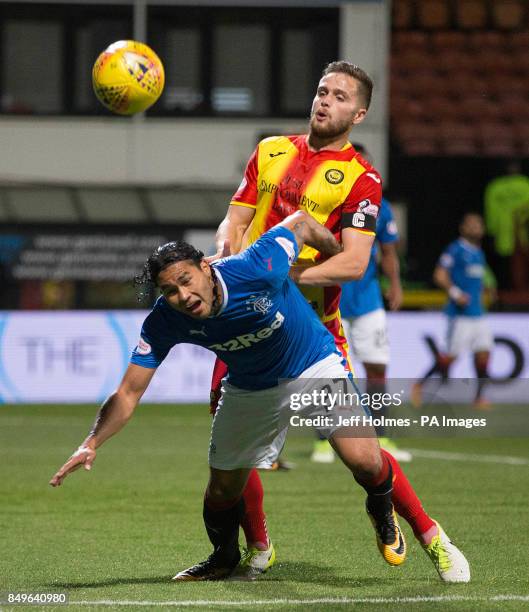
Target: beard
x: 332, y: 129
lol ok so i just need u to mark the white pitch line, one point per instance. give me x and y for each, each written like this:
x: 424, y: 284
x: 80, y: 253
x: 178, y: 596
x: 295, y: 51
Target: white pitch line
x: 447, y: 456
x: 303, y: 602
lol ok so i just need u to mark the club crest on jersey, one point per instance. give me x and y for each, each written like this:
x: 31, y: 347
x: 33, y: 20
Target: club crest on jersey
x: 259, y: 303
x: 334, y: 176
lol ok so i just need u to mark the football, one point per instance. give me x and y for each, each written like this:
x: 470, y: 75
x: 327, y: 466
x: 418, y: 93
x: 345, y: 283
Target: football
x: 128, y: 77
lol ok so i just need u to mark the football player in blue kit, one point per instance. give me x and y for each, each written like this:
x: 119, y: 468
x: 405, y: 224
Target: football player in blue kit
x: 363, y: 313
x: 460, y: 271
x: 247, y: 310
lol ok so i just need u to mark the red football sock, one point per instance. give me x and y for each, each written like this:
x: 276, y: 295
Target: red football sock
x: 406, y: 502
x: 220, y: 369
x: 254, y: 519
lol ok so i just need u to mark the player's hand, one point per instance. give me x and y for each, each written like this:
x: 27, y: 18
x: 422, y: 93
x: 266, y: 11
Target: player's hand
x: 225, y: 251
x: 84, y: 456
x: 394, y: 297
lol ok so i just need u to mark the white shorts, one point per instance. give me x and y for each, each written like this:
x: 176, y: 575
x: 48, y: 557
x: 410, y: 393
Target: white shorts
x: 367, y: 337
x: 250, y: 427
x: 468, y: 334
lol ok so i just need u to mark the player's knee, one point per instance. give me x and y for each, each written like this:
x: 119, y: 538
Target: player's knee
x: 369, y: 465
x: 223, y: 488
x: 362, y: 457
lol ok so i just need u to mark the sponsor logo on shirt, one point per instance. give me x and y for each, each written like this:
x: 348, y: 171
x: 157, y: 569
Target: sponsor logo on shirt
x: 334, y: 176
x: 143, y: 348
x: 198, y: 332
x: 246, y: 340
x: 374, y: 177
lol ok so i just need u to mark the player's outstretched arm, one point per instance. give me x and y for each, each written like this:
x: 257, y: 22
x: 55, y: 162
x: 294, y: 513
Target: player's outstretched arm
x: 112, y: 416
x: 310, y: 232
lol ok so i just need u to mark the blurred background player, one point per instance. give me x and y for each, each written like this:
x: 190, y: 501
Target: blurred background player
x: 460, y: 272
x: 363, y: 314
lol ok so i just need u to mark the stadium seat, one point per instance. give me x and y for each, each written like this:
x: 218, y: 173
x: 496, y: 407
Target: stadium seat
x: 426, y: 85
x: 521, y: 131
x: 490, y: 62
x: 497, y: 140
x: 476, y: 108
x: 457, y: 130
x: 509, y: 14
x: 459, y: 147
x: 509, y: 82
x: 491, y: 40
x: 520, y: 62
x: 471, y: 14
x: 518, y: 40
x: 410, y: 41
x: 433, y: 14
x: 463, y: 84
x: 448, y: 41
x: 417, y: 129
x: 514, y: 107
x: 418, y: 147
x: 442, y: 108
x: 457, y: 61
x: 405, y: 108
x: 411, y: 62
x: 402, y: 14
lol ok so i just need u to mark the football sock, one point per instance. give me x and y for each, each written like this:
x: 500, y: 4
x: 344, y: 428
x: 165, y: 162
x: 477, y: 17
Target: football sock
x: 378, y: 489
x: 406, y: 502
x: 220, y: 369
x: 222, y: 525
x: 481, y: 363
x: 254, y: 520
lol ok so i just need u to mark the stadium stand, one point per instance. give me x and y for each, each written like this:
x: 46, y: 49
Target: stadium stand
x: 456, y: 62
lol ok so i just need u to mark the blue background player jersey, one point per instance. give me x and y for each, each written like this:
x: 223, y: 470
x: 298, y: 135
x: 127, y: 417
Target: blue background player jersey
x: 363, y: 296
x: 466, y: 264
x: 265, y: 329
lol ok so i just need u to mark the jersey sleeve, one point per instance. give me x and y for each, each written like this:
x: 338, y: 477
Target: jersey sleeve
x: 361, y: 207
x: 448, y: 257
x: 387, y: 230
x: 267, y: 262
x: 153, y: 345
x: 246, y: 194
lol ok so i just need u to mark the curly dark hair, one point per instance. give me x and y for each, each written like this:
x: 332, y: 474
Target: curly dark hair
x: 160, y: 258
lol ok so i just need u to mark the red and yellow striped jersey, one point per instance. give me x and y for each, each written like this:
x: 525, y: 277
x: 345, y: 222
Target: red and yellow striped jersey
x: 338, y: 188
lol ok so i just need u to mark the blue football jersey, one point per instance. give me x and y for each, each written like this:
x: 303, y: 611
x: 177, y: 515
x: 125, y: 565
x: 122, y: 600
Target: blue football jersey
x: 466, y: 264
x: 265, y: 329
x: 363, y: 296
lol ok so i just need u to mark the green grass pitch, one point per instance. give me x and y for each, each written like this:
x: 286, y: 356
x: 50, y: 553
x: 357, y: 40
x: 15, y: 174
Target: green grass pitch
x: 118, y: 533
